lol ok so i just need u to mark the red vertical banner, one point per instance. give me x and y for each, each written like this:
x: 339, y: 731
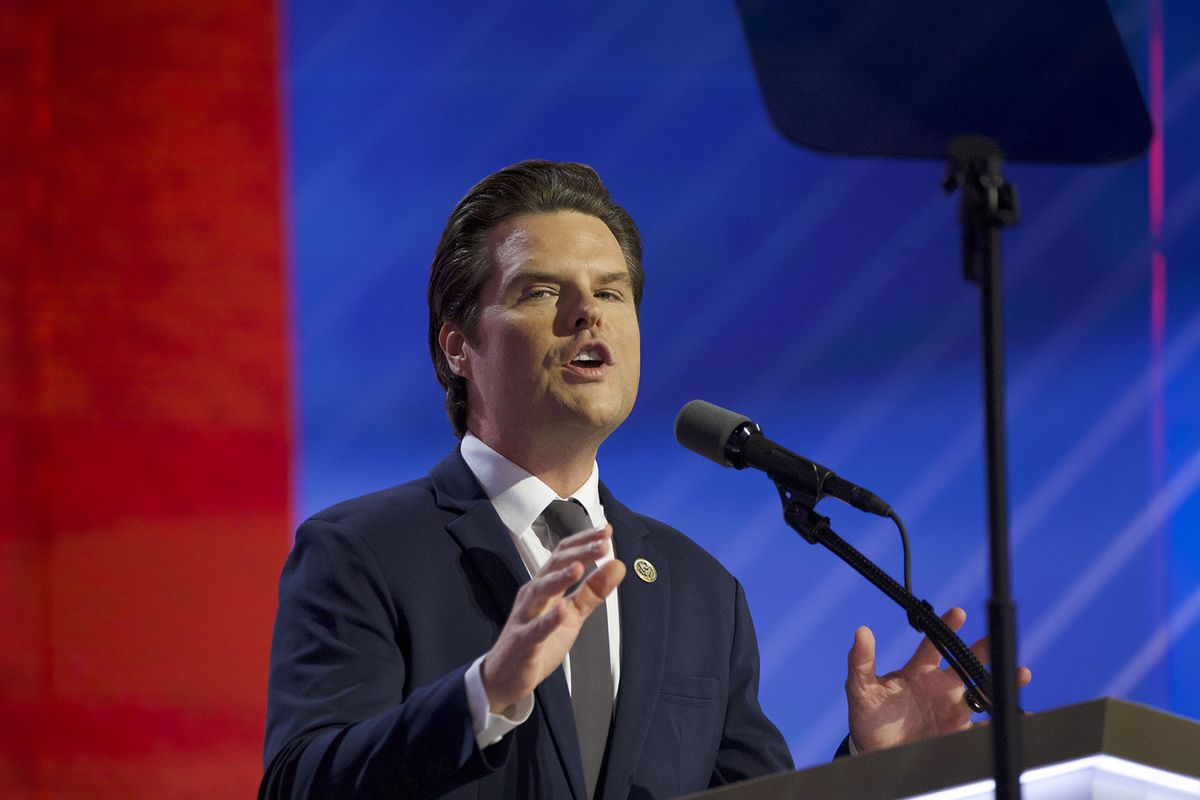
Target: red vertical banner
x: 144, y: 395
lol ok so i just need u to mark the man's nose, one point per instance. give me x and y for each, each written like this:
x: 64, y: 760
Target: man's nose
x: 587, y: 313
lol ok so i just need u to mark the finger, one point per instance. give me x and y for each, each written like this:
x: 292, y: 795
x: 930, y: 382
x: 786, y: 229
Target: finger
x: 584, y: 600
x: 539, y: 628
x: 1024, y: 676
x: 546, y: 588
x: 926, y: 655
x: 982, y: 650
x: 598, y: 586
x: 585, y: 554
x: 861, y: 660
x: 583, y: 547
x: 584, y: 537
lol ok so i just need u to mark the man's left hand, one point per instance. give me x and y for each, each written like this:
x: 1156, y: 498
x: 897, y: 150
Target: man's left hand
x: 917, y: 701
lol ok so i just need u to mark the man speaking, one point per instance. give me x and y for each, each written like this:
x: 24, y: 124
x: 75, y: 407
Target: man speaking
x: 504, y: 627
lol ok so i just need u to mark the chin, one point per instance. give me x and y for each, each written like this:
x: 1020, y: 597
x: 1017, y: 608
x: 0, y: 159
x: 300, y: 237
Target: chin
x: 602, y: 414
x: 605, y: 419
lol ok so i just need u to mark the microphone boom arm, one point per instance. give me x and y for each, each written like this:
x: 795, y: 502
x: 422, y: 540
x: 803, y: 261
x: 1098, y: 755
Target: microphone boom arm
x: 799, y: 514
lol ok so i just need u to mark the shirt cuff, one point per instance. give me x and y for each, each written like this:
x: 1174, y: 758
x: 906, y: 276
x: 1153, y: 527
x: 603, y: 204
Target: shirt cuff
x: 491, y: 728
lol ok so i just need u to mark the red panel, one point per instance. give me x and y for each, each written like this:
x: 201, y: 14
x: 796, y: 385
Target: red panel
x: 144, y: 411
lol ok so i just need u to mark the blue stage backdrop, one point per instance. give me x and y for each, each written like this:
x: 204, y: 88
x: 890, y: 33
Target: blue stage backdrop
x: 821, y: 296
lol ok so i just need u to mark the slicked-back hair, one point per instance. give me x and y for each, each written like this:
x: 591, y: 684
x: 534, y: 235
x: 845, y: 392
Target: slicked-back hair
x: 462, y: 264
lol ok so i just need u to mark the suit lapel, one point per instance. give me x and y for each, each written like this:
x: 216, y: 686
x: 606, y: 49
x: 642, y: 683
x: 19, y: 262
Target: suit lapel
x: 644, y: 617
x: 488, y: 546
x: 478, y: 530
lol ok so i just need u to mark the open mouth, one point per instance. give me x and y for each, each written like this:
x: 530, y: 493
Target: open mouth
x: 588, y: 359
x: 590, y: 356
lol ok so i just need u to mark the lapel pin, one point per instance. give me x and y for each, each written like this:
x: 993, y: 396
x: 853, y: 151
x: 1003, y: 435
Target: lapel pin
x: 645, y: 570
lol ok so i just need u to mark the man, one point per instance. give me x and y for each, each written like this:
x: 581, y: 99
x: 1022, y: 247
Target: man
x: 453, y: 637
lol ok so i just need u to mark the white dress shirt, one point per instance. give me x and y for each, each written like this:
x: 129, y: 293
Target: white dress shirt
x: 519, y: 499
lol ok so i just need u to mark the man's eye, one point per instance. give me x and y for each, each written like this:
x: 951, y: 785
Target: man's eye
x: 538, y: 294
x: 608, y: 294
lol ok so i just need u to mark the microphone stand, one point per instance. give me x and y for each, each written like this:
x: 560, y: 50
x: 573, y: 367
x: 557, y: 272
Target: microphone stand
x: 799, y: 514
x: 988, y: 204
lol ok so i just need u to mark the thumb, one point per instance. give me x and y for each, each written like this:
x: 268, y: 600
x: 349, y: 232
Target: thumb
x: 861, y: 660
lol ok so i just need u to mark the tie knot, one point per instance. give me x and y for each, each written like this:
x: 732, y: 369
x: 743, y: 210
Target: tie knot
x: 566, y: 517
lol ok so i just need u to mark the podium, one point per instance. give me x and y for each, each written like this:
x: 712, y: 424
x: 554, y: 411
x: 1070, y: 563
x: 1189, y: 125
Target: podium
x: 1106, y: 749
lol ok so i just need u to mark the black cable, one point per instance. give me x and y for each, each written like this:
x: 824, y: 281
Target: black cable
x: 907, y: 556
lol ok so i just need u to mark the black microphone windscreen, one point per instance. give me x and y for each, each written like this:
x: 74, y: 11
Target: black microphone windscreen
x: 705, y: 429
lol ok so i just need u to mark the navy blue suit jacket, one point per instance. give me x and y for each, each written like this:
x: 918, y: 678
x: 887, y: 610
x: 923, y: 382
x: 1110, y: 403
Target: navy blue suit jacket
x: 387, y: 599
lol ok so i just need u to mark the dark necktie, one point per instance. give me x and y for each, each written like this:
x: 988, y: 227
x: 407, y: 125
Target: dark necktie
x: 591, y: 676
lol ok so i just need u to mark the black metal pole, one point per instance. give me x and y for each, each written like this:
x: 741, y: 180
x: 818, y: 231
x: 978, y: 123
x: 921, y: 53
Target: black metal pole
x: 988, y: 204
x: 1001, y: 612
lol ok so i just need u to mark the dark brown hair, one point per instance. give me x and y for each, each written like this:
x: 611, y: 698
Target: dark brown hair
x: 462, y: 264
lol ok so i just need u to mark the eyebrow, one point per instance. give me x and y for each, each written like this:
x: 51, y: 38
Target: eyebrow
x: 616, y: 277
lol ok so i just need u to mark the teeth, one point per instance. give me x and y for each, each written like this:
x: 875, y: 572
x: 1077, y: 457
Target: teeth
x: 588, y: 355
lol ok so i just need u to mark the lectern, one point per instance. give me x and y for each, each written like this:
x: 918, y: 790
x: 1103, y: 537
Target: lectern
x: 1100, y: 750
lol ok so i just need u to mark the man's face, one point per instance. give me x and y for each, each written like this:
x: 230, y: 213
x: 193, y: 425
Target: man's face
x: 556, y: 351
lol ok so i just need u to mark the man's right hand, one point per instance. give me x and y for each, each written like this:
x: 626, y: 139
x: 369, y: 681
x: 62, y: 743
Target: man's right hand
x: 544, y: 621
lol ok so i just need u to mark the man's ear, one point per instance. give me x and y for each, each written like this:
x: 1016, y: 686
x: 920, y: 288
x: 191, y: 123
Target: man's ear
x: 455, y: 346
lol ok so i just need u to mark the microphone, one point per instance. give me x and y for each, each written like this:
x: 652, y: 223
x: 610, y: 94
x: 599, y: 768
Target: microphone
x: 732, y: 440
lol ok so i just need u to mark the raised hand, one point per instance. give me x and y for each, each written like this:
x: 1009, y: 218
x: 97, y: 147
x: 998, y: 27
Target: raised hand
x: 917, y: 701
x: 544, y: 621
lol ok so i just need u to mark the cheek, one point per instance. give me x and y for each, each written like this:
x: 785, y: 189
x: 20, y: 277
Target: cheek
x: 634, y: 347
x: 633, y: 359
x: 521, y: 357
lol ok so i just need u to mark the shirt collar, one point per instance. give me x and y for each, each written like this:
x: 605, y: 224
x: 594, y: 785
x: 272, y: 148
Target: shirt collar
x: 519, y: 497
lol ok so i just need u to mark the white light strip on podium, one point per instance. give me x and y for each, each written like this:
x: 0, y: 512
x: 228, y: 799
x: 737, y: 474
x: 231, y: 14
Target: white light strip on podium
x: 1177, y: 785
